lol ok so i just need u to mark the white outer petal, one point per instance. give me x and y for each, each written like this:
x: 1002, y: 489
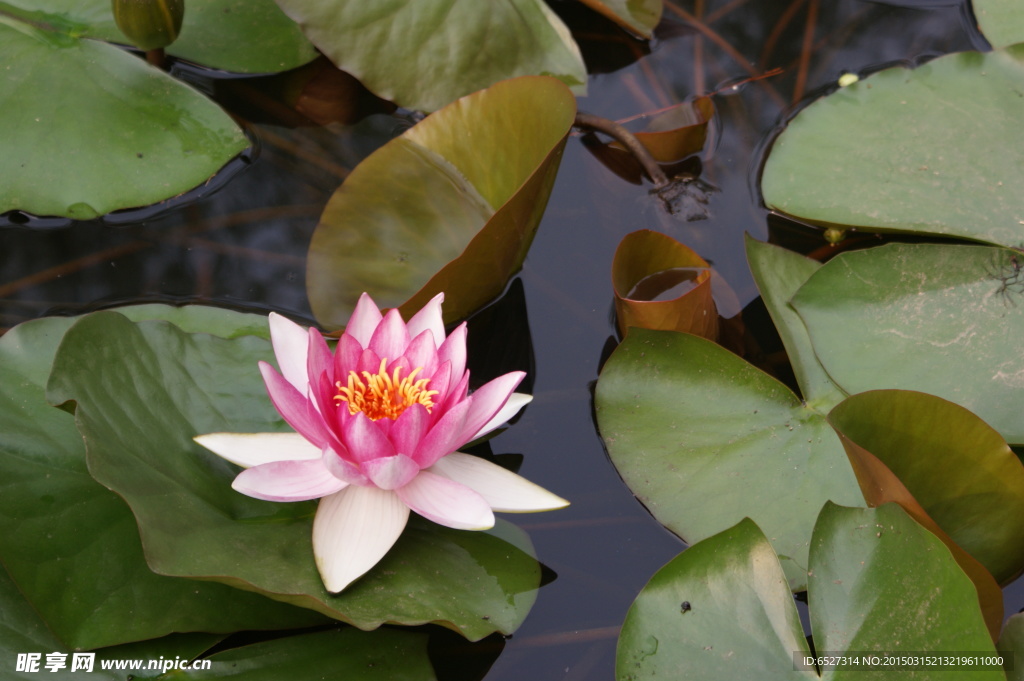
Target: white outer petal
x: 516, y: 401
x: 252, y: 449
x: 291, y: 348
x: 353, y: 530
x: 502, y: 489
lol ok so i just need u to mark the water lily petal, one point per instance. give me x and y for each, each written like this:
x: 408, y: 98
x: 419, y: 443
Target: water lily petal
x: 343, y: 469
x: 346, y: 357
x: 487, y: 401
x: 353, y: 530
x: 364, y: 320
x: 453, y: 349
x: 391, y: 472
x: 447, y: 502
x: 422, y: 353
x: 502, y: 489
x: 364, y: 440
x: 319, y: 360
x: 288, y: 481
x: 290, y: 343
x: 391, y: 337
x: 516, y: 401
x: 369, y: 361
x: 409, y: 428
x: 252, y: 449
x: 429, y: 319
x: 443, y: 436
x: 294, y: 407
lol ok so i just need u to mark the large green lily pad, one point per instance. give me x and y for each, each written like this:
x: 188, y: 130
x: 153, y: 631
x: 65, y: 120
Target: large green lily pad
x: 941, y: 319
x: 106, y: 132
x: 72, y: 545
x: 425, y: 54
x: 245, y: 37
x: 878, y: 583
x: 1011, y: 644
x: 1002, y: 21
x: 936, y: 150
x: 704, y: 439
x: 433, y: 211
x: 382, y: 655
x: 152, y: 387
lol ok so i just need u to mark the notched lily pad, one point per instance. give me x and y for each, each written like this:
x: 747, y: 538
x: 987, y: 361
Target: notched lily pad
x: 106, y: 132
x: 159, y: 387
x: 722, y: 608
x: 432, y: 212
x: 704, y: 439
x: 933, y: 150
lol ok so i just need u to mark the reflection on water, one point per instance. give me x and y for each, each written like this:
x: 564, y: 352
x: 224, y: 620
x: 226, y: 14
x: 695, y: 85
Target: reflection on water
x: 245, y: 245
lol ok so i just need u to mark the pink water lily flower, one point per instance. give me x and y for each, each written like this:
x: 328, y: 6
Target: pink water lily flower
x: 378, y: 424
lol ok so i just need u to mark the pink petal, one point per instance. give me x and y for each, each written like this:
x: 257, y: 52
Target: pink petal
x: 353, y: 530
x: 290, y: 343
x: 253, y: 449
x: 294, y: 407
x: 343, y: 469
x: 439, y: 381
x: 391, y: 472
x: 346, y: 357
x: 409, y: 428
x: 288, y: 481
x: 364, y: 320
x: 368, y: 361
x: 447, y: 502
x: 429, y: 319
x: 319, y: 360
x: 488, y: 400
x: 422, y: 353
x: 453, y: 349
x: 443, y: 436
x: 516, y: 401
x: 365, y: 441
x: 503, y: 490
x: 457, y: 393
x: 390, y: 338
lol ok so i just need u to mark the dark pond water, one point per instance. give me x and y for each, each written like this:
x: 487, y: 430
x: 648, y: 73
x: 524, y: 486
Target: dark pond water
x: 245, y: 245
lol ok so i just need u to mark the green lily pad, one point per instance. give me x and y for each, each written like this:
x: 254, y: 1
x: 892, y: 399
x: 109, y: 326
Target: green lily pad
x: 249, y: 37
x: 1002, y: 21
x: 432, y: 212
x: 425, y: 54
x: 22, y: 632
x: 155, y: 387
x: 107, y: 131
x: 940, y: 319
x: 382, y: 655
x: 779, y: 274
x: 957, y: 467
x: 704, y: 439
x: 935, y: 150
x: 72, y: 545
x: 878, y: 582
x: 640, y: 17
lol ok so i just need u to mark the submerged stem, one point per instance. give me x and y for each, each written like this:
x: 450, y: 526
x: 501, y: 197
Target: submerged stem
x: 639, y: 151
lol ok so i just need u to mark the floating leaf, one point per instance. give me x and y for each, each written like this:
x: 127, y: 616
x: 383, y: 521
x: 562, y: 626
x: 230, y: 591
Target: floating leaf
x: 383, y: 655
x: 106, y: 132
x: 425, y: 54
x: 155, y: 387
x: 72, y: 545
x: 722, y: 608
x: 431, y: 211
x: 639, y: 17
x: 705, y: 439
x: 939, y: 319
x: 779, y: 273
x: 935, y: 150
x: 661, y: 284
x: 1002, y: 21
x: 245, y: 37
x: 1011, y: 644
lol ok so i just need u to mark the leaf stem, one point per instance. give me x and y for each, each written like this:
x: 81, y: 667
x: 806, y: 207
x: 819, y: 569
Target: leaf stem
x: 627, y: 139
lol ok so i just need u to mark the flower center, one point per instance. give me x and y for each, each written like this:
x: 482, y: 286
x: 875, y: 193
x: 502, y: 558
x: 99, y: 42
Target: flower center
x: 384, y: 395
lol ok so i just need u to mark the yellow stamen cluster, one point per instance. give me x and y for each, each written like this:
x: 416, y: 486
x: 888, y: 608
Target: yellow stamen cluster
x: 383, y: 395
